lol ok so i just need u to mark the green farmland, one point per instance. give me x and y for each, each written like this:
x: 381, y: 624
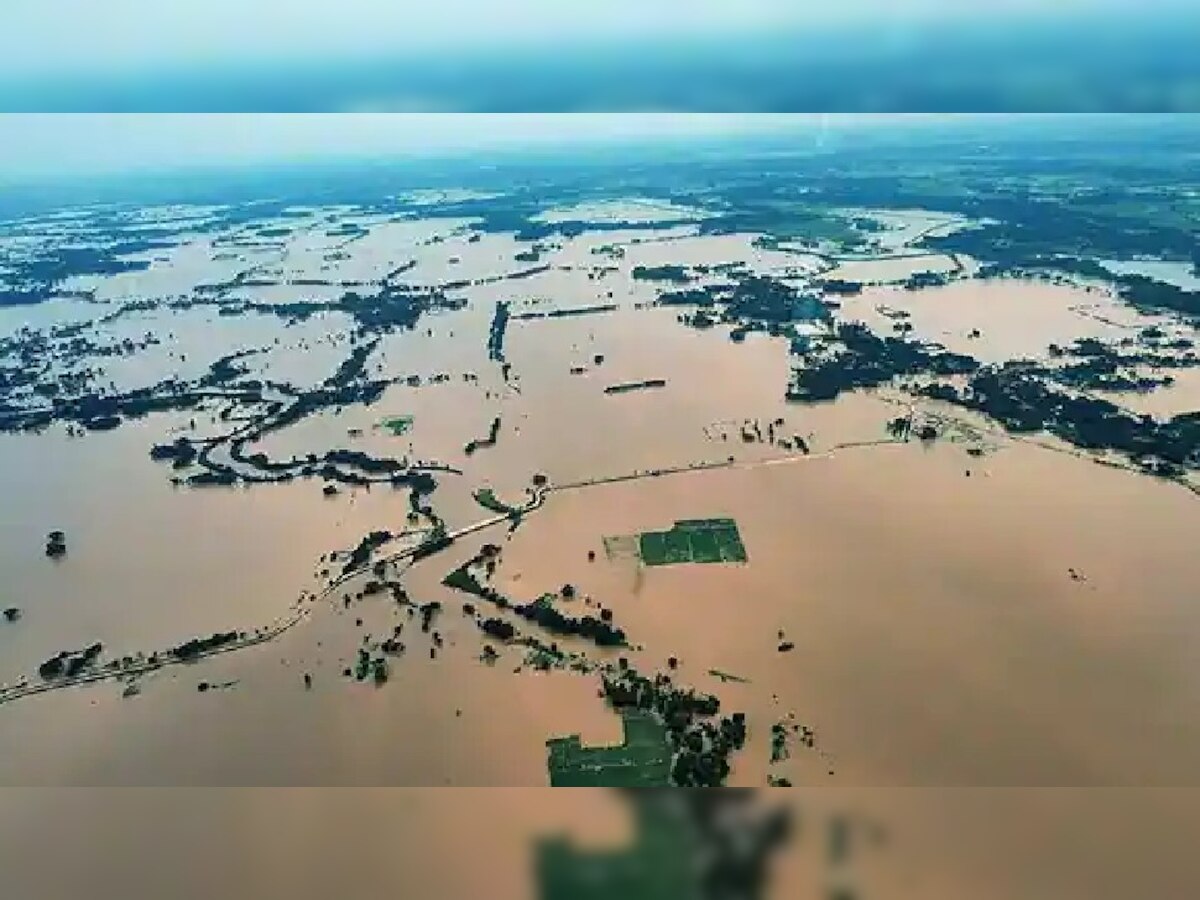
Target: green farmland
x: 657, y: 864
x: 643, y: 760
x: 693, y: 540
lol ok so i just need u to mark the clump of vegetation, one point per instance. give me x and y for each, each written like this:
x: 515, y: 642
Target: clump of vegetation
x: 70, y: 664
x: 701, y: 743
x: 398, y: 425
x: 437, y: 541
x: 379, y: 670
x: 487, y: 498
x: 673, y: 273
x: 841, y: 287
x: 196, y: 647
x: 779, y: 738
x: 498, y: 628
x: 919, y: 280
x: 428, y: 612
x: 598, y: 631
x: 1024, y: 403
x: 541, y: 612
x: 180, y: 452
x: 496, y: 332
x: 56, y: 544
x: 361, y: 554
x: 857, y: 358
x: 900, y: 427
x: 489, y: 441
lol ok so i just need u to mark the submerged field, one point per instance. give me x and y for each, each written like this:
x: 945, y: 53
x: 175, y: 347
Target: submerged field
x: 643, y: 759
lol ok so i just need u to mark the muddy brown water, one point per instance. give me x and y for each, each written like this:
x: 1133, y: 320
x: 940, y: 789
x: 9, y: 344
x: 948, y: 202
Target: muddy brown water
x: 430, y: 844
x: 940, y: 638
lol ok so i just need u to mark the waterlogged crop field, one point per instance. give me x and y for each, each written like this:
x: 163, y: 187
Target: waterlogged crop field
x: 643, y: 759
x: 693, y: 541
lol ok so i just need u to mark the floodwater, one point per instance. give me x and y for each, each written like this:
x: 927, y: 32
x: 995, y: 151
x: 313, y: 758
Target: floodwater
x: 939, y: 635
x: 632, y: 210
x: 898, y: 268
x: 1181, y: 274
x: 1016, y: 319
x: 901, y: 228
x: 940, y: 638
x: 1031, y: 623
x: 1182, y: 396
x: 430, y: 844
x: 150, y: 565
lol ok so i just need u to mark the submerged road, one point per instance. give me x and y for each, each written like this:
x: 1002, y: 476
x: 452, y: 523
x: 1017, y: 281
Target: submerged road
x: 304, y: 606
x: 299, y: 611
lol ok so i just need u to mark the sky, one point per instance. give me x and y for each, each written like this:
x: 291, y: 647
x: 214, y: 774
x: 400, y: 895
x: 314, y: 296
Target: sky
x: 42, y: 38
x: 597, y: 55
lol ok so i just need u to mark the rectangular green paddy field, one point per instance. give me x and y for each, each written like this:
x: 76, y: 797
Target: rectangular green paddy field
x: 643, y: 760
x: 693, y: 540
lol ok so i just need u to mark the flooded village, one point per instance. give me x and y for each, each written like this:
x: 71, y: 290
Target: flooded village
x: 774, y: 477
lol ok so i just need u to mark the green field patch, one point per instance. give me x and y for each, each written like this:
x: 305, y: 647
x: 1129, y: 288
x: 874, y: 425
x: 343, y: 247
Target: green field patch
x: 678, y: 546
x: 658, y: 863
x: 397, y: 425
x: 731, y: 546
x: 642, y: 760
x: 652, y: 545
x: 689, y: 540
x: 705, y: 548
x: 461, y: 579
